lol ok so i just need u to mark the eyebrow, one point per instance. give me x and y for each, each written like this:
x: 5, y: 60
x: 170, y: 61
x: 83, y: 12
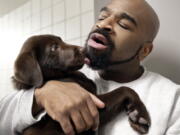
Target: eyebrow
x: 122, y: 16
x: 105, y: 9
x: 128, y: 17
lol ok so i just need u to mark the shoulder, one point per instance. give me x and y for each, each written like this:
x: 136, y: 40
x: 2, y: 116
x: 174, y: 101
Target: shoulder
x: 161, y: 80
x: 4, y: 101
x: 163, y: 102
x: 161, y: 85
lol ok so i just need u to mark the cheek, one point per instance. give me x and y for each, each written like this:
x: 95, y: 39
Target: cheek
x: 125, y: 46
x: 122, y: 37
x: 123, y: 43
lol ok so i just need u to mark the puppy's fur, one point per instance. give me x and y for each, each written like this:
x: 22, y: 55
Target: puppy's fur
x: 47, y: 57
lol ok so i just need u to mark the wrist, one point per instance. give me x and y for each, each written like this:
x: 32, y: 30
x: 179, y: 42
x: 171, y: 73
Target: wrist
x: 37, y: 106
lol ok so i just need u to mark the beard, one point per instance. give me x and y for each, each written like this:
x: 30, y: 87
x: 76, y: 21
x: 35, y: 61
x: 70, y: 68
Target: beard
x: 99, y: 59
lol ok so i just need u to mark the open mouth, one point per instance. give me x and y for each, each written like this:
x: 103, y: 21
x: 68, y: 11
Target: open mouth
x: 97, y: 41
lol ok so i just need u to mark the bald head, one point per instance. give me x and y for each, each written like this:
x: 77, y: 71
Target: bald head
x: 144, y: 13
x: 151, y: 19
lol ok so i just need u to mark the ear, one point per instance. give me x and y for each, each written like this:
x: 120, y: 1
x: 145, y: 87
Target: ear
x: 27, y: 72
x: 145, y: 51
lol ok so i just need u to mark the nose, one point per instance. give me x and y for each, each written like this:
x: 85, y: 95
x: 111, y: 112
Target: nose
x: 81, y: 49
x: 106, y: 24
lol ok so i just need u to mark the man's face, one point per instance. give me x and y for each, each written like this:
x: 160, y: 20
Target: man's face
x: 117, y: 35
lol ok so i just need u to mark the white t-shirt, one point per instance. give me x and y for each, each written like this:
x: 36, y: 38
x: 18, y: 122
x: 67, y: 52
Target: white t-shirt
x: 161, y: 97
x: 16, y: 112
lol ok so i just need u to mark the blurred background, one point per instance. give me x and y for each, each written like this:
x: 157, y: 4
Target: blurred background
x: 72, y: 20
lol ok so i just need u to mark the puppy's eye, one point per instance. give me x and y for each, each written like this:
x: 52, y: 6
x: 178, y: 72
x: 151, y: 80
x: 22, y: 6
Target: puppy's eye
x: 54, y: 47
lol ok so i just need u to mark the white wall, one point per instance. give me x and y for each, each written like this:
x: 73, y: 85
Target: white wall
x: 7, y: 6
x: 70, y: 19
x: 165, y: 57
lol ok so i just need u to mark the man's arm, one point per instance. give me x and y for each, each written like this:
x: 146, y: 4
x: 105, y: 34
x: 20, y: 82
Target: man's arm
x: 61, y: 101
x: 15, y: 112
x: 65, y: 101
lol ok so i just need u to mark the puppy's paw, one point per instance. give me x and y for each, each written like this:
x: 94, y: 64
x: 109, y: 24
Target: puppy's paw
x: 139, y: 118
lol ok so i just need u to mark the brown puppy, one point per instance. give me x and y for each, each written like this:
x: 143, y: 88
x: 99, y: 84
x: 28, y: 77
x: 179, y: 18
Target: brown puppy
x: 47, y: 57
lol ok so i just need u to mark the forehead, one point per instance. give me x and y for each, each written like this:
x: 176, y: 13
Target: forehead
x: 134, y: 8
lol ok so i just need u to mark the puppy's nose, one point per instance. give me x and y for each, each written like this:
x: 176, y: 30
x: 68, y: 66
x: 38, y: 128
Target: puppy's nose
x: 81, y: 49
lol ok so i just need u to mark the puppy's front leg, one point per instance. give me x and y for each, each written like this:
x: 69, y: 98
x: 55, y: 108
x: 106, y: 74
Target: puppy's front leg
x: 126, y: 99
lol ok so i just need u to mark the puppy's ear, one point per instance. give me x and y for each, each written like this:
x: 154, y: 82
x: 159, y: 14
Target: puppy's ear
x: 27, y: 72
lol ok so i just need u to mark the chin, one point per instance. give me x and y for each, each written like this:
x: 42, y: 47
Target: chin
x: 97, y: 61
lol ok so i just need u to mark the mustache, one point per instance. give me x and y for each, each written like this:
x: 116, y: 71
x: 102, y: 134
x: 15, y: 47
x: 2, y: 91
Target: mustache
x: 99, y: 61
x: 105, y: 33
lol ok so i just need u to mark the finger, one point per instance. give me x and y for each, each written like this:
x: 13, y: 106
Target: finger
x: 97, y: 101
x: 94, y: 113
x: 87, y: 116
x: 78, y: 121
x: 66, y: 125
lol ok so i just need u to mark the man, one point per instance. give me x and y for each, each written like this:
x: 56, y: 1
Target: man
x: 122, y: 37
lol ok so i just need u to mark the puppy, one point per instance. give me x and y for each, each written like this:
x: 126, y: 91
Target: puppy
x: 46, y: 57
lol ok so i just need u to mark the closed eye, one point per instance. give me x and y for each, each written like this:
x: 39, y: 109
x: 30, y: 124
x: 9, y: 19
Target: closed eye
x: 124, y: 26
x: 101, y: 18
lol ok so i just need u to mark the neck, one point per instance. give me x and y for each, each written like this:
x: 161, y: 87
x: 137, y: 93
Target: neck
x: 123, y: 73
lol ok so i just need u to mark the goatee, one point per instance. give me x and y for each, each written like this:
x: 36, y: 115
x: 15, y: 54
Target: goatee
x: 99, y: 59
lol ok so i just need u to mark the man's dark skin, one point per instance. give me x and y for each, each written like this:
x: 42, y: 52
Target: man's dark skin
x: 128, y: 34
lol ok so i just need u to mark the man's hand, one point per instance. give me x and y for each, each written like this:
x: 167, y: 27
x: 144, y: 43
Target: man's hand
x: 66, y: 102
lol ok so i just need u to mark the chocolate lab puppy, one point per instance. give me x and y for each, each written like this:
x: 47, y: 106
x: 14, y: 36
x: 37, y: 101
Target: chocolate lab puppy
x: 47, y: 57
